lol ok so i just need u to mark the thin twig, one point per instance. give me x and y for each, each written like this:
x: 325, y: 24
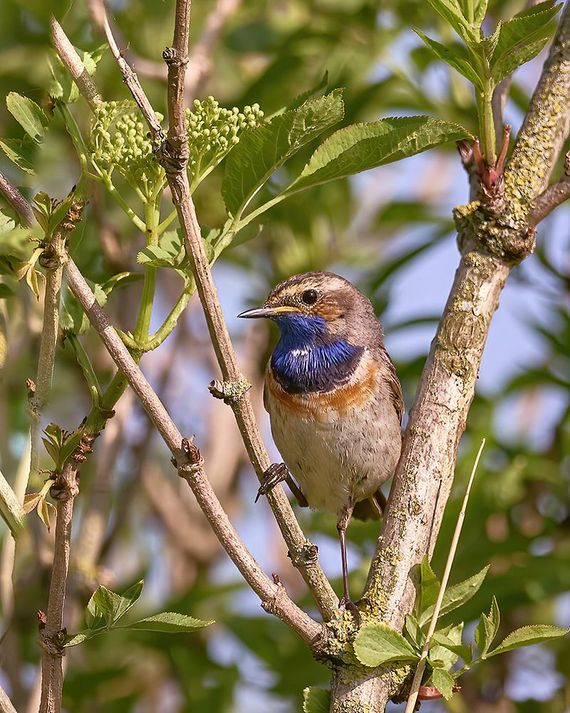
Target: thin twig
x: 52, y: 634
x: 16, y: 200
x: 417, y: 680
x: 552, y: 197
x: 72, y: 61
x: 190, y: 466
x: 173, y: 156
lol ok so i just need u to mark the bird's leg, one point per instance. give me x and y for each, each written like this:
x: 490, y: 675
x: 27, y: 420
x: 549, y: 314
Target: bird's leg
x: 341, y: 526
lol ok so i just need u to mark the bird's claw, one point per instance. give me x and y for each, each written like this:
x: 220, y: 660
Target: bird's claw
x: 275, y: 474
x: 350, y: 606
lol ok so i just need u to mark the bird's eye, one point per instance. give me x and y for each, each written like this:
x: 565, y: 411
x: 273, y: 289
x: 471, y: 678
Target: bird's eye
x: 309, y: 297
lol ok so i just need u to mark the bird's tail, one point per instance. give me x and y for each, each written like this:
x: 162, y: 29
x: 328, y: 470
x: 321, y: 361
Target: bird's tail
x: 372, y: 508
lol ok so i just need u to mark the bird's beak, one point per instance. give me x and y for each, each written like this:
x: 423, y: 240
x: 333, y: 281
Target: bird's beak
x: 268, y: 312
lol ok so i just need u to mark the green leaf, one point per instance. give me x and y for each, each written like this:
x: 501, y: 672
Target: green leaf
x: 79, y: 638
x: 169, y: 622
x: 128, y: 599
x: 447, y: 645
x: 460, y: 650
x: 527, y: 636
x: 45, y: 512
x: 62, y: 86
x: 429, y: 589
x: 443, y: 681
x: 376, y: 644
x: 452, y: 12
x: 487, y: 628
x: 102, y: 607
x: 10, y: 508
x: 5, y: 291
x: 316, y: 700
x: 19, y: 151
x: 359, y: 147
x: 413, y: 631
x: 170, y: 252
x: 522, y: 38
x: 264, y: 149
x: 28, y: 114
x: 457, y: 56
x: 457, y: 595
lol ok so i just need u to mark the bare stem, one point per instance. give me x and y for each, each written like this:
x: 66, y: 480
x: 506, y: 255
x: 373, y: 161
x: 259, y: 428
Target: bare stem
x: 52, y: 634
x: 417, y: 680
x: 173, y: 155
x: 16, y: 200
x: 5, y: 703
x: 190, y: 466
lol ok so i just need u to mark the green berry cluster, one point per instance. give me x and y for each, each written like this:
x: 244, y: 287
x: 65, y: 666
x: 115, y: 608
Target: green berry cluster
x: 213, y: 131
x: 120, y: 140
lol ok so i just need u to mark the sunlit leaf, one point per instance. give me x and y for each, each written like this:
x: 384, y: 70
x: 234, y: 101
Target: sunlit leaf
x: 457, y: 56
x: 316, y: 700
x: 527, y: 636
x: 170, y: 623
x: 443, y: 681
x: 376, y: 644
x: 456, y: 595
x: 487, y: 628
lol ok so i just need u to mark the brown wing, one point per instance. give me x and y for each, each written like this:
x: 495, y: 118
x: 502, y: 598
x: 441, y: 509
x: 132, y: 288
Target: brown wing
x: 393, y: 383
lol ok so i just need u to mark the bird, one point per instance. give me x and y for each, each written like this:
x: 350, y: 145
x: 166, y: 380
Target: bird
x: 334, y: 400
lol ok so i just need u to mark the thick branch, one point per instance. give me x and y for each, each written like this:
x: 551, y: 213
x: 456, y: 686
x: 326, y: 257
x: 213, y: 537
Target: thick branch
x: 5, y: 703
x: 173, y: 156
x: 16, y: 200
x: 52, y: 634
x: 190, y: 466
x: 492, y: 238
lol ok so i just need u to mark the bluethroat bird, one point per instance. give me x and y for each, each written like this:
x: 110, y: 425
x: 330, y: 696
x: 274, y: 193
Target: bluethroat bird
x: 334, y: 400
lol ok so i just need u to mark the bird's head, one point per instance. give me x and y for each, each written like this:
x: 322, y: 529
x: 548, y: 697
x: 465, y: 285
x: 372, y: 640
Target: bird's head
x: 320, y: 307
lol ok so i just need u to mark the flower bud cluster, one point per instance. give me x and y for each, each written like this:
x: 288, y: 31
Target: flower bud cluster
x: 120, y: 140
x: 213, y: 131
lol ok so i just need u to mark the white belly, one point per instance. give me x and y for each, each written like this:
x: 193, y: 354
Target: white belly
x: 338, y: 458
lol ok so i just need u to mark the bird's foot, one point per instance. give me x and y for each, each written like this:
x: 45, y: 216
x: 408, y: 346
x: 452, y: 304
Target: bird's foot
x: 275, y: 474
x: 350, y: 606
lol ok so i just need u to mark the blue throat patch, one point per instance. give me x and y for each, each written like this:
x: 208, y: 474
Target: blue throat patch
x: 305, y: 360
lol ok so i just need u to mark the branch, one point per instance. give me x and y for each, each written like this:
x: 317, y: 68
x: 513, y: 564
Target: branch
x: 493, y: 238
x: 16, y: 200
x: 190, y: 467
x: 552, y: 197
x: 52, y: 633
x: 72, y: 61
x: 5, y: 703
x: 173, y: 154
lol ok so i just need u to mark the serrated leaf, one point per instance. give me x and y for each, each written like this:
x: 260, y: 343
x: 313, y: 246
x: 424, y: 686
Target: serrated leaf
x: 316, y: 700
x: 443, y: 681
x: 376, y: 644
x: 487, y: 628
x: 19, y: 152
x: 169, y: 622
x: 457, y: 56
x: 360, y: 147
x: 527, y: 636
x: 452, y: 12
x: 522, y: 38
x: 457, y: 595
x: 28, y: 114
x: 155, y: 256
x: 264, y: 149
